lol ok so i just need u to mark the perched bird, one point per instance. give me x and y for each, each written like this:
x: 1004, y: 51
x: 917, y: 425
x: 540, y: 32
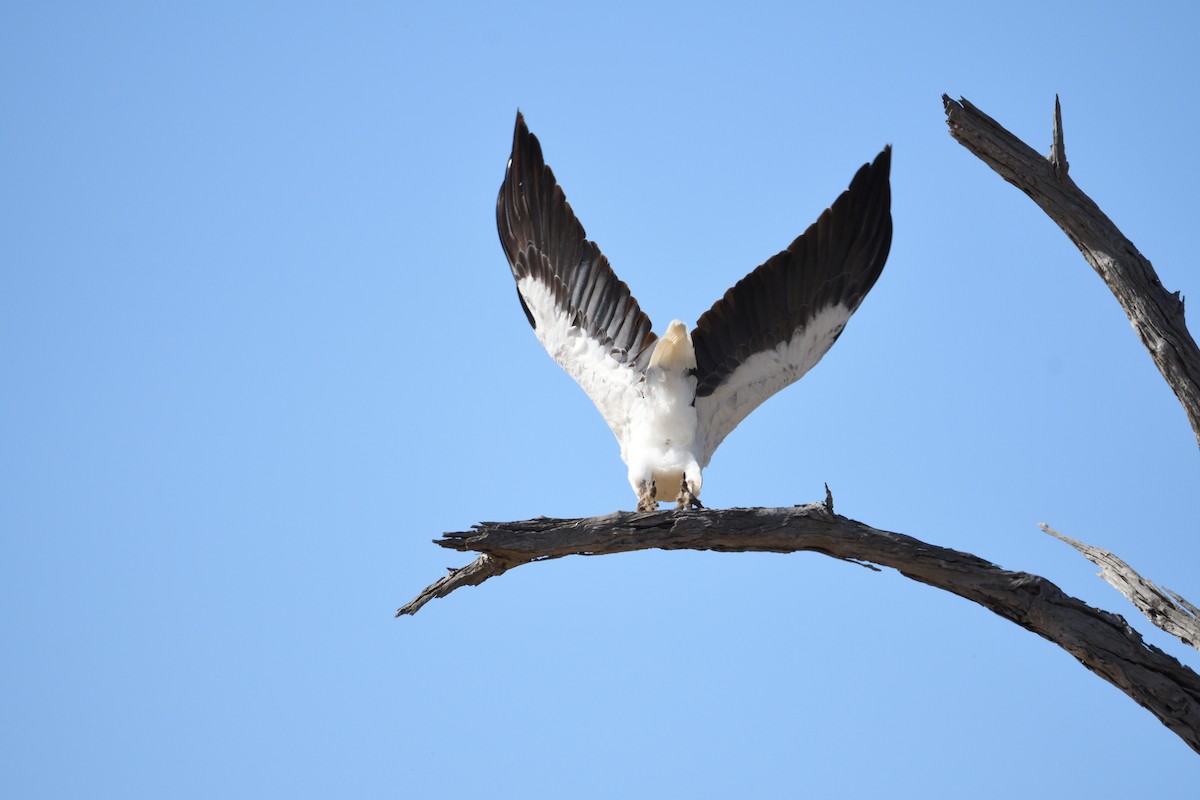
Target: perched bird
x: 671, y: 401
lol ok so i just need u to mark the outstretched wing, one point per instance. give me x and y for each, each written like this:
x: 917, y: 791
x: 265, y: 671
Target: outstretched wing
x: 778, y: 321
x: 580, y: 311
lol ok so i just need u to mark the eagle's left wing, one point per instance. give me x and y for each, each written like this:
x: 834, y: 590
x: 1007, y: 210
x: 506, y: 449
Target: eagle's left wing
x: 581, y: 312
x: 778, y: 321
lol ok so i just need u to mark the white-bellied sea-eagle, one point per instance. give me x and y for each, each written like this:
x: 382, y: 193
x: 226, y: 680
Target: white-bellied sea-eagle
x: 671, y: 401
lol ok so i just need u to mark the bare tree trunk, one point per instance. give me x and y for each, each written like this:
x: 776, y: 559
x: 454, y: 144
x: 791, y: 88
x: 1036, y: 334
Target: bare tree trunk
x: 1156, y: 314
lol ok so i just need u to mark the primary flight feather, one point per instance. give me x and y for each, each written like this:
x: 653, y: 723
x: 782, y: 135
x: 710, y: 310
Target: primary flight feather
x: 671, y: 401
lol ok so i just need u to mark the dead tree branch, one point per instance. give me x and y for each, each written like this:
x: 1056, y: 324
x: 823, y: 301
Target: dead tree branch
x: 1102, y: 642
x: 472, y: 574
x: 1172, y: 613
x: 1156, y: 314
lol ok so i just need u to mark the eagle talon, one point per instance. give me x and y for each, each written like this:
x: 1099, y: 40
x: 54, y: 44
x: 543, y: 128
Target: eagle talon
x: 686, y: 499
x: 647, y: 497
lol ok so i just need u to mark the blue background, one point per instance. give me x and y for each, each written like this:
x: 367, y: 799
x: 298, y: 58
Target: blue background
x: 260, y: 345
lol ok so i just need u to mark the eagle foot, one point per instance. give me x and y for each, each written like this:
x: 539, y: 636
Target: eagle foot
x: 686, y: 499
x: 646, y: 497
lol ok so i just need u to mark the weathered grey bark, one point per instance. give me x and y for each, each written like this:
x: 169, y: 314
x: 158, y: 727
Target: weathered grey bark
x: 473, y: 574
x: 1103, y: 642
x: 1156, y: 314
x: 1173, y: 614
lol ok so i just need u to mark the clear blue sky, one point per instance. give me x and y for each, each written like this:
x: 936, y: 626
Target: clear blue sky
x: 260, y: 345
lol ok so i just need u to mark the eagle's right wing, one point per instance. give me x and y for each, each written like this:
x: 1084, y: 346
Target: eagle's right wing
x: 778, y: 321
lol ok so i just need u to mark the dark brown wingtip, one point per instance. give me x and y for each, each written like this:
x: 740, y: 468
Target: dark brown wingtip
x: 526, y: 158
x: 521, y: 135
x: 879, y: 167
x: 883, y: 162
x: 520, y: 129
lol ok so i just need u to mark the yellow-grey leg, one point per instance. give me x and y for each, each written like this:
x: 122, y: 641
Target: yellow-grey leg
x: 686, y: 498
x: 646, y: 496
